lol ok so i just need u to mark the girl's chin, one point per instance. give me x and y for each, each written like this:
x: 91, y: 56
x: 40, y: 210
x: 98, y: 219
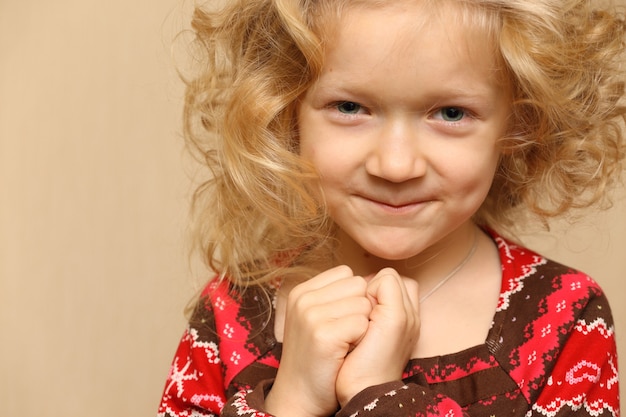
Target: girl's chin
x: 372, y: 263
x: 395, y: 256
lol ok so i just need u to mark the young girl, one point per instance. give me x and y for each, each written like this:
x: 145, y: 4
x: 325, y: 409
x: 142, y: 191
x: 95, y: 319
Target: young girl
x: 368, y: 158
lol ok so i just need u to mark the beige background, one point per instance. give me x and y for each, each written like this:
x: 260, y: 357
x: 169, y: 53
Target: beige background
x: 93, y: 199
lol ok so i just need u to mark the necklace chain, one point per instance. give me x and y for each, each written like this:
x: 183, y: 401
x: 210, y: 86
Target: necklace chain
x: 454, y: 271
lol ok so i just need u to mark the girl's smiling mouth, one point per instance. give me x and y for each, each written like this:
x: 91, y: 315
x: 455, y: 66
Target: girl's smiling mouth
x: 396, y: 206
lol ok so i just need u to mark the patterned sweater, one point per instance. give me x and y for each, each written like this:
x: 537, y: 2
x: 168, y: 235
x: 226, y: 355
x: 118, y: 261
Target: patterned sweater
x: 550, y: 352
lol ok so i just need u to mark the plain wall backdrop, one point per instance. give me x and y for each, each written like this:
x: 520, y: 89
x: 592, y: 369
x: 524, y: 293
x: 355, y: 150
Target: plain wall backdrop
x: 93, y: 202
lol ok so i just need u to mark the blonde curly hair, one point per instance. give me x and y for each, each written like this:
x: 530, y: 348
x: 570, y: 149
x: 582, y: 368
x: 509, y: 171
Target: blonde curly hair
x: 256, y: 217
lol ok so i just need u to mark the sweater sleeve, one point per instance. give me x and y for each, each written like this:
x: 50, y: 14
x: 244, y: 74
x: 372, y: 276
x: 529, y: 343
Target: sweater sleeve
x: 249, y: 403
x: 217, y: 346
x: 195, y: 384
x: 584, y: 380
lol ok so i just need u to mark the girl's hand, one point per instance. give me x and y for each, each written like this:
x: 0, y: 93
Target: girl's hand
x: 393, y: 331
x: 325, y: 317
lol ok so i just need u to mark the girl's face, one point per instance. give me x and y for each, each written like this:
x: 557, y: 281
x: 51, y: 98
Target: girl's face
x: 403, y: 127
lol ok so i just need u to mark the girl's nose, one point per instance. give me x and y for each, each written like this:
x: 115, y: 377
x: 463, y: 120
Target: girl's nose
x: 396, y: 155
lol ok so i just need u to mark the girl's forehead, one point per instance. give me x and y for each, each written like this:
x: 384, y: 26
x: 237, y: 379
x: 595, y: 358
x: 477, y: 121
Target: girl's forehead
x: 472, y: 15
x: 480, y: 25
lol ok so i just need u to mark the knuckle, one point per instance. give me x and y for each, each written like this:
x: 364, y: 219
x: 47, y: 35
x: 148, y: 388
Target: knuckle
x: 343, y: 271
x: 358, y: 284
x: 388, y: 271
x: 298, y: 304
x: 362, y: 322
x: 410, y: 284
x: 364, y: 306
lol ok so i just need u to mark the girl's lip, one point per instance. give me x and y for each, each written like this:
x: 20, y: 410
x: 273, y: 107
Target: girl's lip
x: 395, y: 204
x: 397, y: 207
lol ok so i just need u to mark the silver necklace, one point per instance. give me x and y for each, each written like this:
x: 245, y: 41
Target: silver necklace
x: 454, y: 271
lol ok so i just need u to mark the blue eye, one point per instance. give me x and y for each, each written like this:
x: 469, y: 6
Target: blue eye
x: 348, y: 107
x: 452, y: 114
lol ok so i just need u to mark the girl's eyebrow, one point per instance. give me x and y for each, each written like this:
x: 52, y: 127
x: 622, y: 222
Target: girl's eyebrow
x: 468, y: 87
x: 442, y: 95
x: 463, y: 98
